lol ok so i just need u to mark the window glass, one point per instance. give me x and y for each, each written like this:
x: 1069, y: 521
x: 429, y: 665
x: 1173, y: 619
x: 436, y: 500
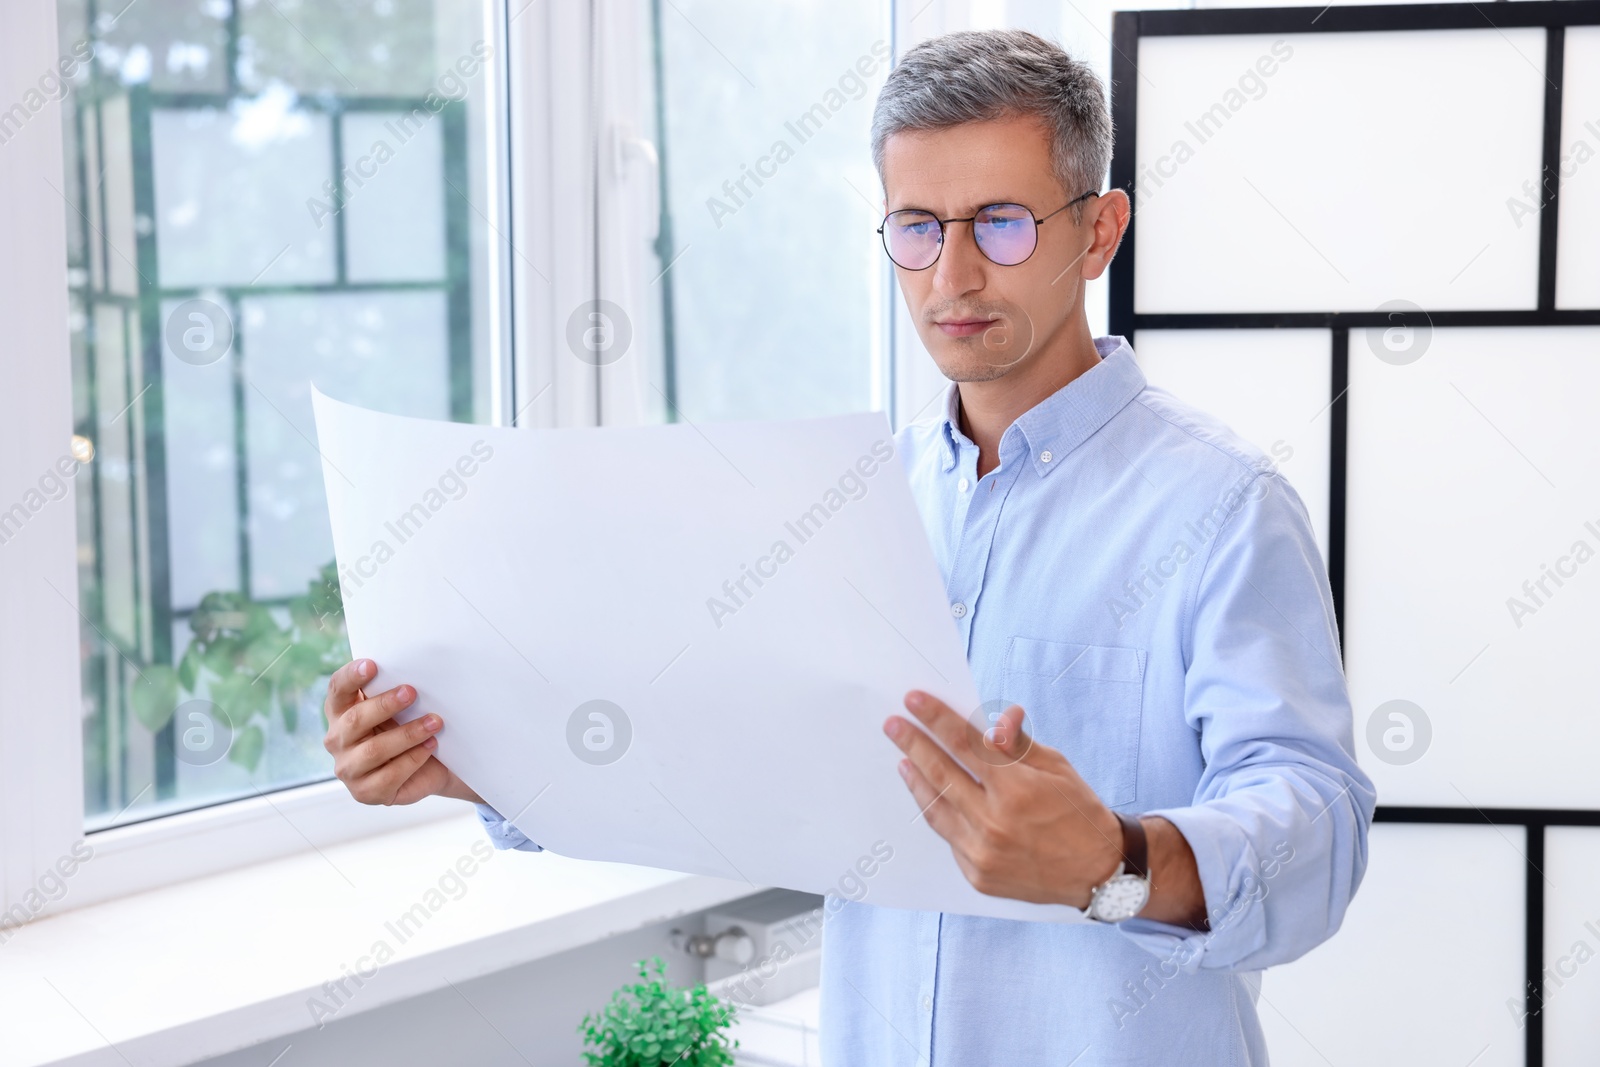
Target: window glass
x: 774, y: 288
x: 260, y: 195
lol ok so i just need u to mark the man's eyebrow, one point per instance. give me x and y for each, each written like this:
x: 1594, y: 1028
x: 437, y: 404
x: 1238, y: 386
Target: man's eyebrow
x: 973, y: 209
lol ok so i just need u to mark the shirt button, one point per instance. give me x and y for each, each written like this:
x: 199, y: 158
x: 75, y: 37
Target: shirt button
x: 1045, y: 456
x: 958, y: 609
x: 963, y: 485
x: 927, y: 1003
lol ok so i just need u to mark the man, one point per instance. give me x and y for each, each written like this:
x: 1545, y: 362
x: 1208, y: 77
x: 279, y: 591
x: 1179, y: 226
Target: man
x: 1169, y: 744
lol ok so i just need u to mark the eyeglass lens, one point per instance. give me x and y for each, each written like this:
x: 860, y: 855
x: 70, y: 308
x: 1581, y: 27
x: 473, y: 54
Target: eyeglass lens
x: 1005, y: 233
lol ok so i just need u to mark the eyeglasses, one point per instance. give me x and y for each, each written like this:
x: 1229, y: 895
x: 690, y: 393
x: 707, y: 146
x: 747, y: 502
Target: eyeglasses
x: 1006, y: 234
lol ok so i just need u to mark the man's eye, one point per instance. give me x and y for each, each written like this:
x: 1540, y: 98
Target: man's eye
x: 1003, y: 222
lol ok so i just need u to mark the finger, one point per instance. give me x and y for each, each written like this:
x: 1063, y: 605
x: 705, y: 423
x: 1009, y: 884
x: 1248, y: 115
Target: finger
x: 957, y: 733
x: 1007, y: 738
x: 934, y: 806
x: 363, y: 718
x: 935, y: 765
x: 427, y: 780
x: 382, y: 786
x: 385, y: 745
x: 343, y: 686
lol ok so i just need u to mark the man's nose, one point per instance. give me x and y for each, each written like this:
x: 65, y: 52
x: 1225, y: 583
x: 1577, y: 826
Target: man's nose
x: 961, y: 267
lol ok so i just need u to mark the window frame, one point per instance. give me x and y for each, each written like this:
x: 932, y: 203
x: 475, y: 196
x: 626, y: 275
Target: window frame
x: 539, y: 115
x: 41, y: 770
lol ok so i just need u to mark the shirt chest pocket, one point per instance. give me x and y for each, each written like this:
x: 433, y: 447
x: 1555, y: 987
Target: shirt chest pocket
x: 1087, y: 701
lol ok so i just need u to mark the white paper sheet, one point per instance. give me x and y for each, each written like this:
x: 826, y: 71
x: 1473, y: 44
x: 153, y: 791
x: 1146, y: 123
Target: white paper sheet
x: 755, y: 597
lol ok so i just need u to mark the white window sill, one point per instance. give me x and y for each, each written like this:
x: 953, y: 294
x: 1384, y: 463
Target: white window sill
x: 207, y: 966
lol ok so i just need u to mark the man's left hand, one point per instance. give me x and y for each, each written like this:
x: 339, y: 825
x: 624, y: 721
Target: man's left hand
x: 1020, y: 820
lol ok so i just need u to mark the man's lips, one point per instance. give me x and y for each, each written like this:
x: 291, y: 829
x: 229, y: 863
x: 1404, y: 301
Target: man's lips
x: 963, y: 327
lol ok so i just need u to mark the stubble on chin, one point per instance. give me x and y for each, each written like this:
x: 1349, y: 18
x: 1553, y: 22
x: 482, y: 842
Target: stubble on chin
x: 970, y: 365
x: 975, y: 358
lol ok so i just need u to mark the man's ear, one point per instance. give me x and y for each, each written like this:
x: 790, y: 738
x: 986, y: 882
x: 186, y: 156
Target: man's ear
x: 1113, y: 211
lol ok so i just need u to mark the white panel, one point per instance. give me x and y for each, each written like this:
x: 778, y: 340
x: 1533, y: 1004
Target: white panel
x: 1270, y: 386
x: 1366, y: 167
x: 1571, y: 946
x: 1578, y: 239
x: 1472, y: 483
x: 394, y: 220
x: 1422, y: 969
x: 237, y: 194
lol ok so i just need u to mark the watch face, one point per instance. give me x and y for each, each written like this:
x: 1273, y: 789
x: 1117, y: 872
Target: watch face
x: 1120, y: 898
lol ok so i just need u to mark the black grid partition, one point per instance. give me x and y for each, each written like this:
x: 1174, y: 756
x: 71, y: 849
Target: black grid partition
x: 1554, y: 16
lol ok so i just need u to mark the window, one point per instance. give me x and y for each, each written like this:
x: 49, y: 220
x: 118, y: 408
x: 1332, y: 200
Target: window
x: 411, y: 204
x: 772, y: 287
x: 261, y: 195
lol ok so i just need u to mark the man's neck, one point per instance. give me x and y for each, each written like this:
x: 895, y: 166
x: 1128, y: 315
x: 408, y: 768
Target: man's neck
x: 987, y: 409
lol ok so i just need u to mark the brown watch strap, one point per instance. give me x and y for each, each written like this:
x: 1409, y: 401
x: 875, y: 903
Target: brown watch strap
x: 1134, y: 846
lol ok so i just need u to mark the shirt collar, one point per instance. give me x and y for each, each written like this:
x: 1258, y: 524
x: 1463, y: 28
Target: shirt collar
x: 1066, y: 418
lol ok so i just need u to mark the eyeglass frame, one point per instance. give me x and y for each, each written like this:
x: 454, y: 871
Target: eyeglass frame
x: 1037, y: 222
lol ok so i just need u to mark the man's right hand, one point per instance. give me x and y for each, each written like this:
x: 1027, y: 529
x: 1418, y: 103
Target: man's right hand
x: 379, y: 760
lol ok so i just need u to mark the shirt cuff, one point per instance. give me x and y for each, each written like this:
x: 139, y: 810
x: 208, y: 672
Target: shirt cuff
x: 1233, y: 889
x: 501, y: 833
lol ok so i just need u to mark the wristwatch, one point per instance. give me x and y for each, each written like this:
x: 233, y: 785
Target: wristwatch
x: 1125, y: 893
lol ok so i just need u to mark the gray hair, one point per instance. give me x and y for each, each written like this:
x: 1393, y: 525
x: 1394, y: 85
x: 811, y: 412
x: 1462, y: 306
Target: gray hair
x: 980, y: 75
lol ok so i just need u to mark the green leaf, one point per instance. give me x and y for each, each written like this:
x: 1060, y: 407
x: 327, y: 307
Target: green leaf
x: 241, y: 699
x: 263, y: 656
x: 255, y: 699
x: 218, y: 614
x: 289, y: 704
x: 247, y: 747
x: 301, y: 614
x: 189, y: 668
x: 155, y: 696
x: 260, y: 625
x: 218, y: 655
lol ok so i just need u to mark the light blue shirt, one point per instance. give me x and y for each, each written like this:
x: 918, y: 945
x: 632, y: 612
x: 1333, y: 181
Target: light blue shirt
x: 1149, y: 588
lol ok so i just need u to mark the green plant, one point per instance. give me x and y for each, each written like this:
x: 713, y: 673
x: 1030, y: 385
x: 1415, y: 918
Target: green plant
x: 649, y: 1024
x: 251, y: 662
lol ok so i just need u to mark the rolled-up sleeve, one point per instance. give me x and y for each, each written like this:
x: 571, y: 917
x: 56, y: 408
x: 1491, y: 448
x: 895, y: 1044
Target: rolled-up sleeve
x: 501, y: 833
x: 1279, y: 820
